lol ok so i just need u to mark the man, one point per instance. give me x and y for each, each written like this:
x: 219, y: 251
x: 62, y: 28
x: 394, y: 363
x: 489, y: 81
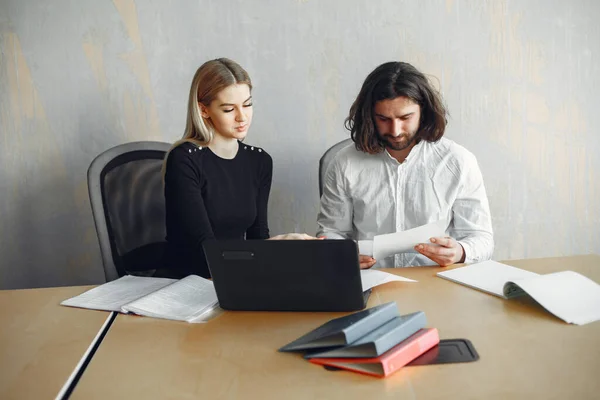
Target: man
x: 402, y: 173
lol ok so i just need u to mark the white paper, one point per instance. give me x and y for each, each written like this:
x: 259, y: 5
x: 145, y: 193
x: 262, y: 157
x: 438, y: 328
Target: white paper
x: 111, y: 296
x: 488, y: 276
x: 372, y: 277
x: 365, y: 247
x: 405, y: 241
x: 185, y: 300
x: 570, y: 296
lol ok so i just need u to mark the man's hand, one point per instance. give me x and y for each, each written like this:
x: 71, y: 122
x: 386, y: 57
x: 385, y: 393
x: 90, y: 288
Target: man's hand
x: 366, y: 262
x: 294, y: 236
x: 444, y: 251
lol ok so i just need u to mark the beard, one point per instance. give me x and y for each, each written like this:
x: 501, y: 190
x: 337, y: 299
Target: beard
x: 403, y: 141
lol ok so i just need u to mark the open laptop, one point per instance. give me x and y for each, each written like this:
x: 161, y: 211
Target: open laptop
x: 286, y: 275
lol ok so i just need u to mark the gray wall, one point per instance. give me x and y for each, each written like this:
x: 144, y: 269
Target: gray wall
x: 77, y: 77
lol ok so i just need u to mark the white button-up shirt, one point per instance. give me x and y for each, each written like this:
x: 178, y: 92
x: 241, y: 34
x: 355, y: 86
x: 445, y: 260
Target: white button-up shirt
x: 366, y: 195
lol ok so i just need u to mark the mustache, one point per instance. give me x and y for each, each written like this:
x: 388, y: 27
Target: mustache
x: 386, y: 140
x: 392, y: 135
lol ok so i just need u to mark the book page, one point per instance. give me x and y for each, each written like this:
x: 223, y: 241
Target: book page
x: 185, y: 300
x: 488, y: 276
x: 111, y: 296
x: 570, y: 296
x: 405, y: 241
x: 372, y: 277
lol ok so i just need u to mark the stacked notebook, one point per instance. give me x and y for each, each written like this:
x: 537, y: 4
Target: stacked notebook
x: 377, y: 341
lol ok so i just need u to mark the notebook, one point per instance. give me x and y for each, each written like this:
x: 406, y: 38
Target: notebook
x: 190, y: 299
x: 390, y: 361
x: 568, y: 295
x: 379, y: 340
x: 344, y: 330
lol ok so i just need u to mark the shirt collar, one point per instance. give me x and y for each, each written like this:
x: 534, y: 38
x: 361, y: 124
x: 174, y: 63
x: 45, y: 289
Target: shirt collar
x: 412, y: 155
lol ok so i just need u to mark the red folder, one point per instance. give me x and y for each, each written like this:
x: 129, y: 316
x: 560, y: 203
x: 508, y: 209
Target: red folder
x: 390, y: 361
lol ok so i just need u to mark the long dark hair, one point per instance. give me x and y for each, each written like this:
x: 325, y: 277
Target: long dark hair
x: 387, y: 82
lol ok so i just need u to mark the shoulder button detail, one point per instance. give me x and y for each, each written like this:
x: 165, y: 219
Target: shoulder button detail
x: 251, y: 148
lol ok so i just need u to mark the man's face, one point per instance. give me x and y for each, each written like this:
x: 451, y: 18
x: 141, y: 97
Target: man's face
x: 397, y: 122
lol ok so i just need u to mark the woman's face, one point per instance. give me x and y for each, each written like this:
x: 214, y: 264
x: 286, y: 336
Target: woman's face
x: 230, y: 112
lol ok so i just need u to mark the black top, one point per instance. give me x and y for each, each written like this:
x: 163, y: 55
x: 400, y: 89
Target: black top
x: 209, y: 197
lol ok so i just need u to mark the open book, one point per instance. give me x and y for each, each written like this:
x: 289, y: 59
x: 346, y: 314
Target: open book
x: 192, y: 299
x: 568, y: 295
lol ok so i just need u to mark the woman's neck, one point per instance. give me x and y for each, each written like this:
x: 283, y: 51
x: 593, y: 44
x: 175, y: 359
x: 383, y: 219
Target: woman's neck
x: 224, y: 147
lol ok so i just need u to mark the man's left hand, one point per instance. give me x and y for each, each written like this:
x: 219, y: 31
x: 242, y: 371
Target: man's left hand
x: 444, y: 251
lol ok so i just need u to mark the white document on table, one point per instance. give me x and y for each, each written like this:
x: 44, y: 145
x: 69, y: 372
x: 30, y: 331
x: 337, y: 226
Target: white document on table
x: 388, y: 244
x: 113, y: 295
x: 372, y: 277
x: 192, y: 299
x: 488, y: 276
x: 185, y: 300
x: 568, y: 295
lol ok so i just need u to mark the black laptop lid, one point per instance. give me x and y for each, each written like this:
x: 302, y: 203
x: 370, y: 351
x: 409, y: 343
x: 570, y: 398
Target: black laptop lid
x: 286, y: 275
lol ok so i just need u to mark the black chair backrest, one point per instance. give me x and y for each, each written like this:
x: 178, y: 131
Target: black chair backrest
x: 127, y: 199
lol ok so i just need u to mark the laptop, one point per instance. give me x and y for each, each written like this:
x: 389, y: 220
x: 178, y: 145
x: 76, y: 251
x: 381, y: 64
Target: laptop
x: 286, y: 275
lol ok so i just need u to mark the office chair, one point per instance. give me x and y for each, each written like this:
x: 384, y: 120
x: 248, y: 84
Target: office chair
x: 326, y: 160
x: 128, y: 205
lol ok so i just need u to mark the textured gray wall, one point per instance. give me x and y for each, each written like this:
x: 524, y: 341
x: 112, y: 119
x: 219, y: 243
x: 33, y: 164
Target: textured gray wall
x: 77, y: 77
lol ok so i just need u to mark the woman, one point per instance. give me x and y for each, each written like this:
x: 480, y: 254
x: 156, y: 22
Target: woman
x: 216, y: 187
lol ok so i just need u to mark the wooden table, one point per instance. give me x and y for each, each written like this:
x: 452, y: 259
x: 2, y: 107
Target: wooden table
x: 526, y: 353
x: 41, y: 342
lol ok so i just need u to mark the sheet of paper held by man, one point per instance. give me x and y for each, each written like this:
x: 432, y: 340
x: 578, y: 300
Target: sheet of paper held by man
x: 383, y: 246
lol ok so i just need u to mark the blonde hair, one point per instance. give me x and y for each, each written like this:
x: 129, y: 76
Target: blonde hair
x: 212, y: 77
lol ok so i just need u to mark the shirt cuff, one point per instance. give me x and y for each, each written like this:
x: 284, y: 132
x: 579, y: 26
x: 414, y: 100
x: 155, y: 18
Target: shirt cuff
x: 470, y: 255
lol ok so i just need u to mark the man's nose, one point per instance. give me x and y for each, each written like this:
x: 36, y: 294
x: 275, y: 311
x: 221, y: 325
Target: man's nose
x: 396, y: 127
